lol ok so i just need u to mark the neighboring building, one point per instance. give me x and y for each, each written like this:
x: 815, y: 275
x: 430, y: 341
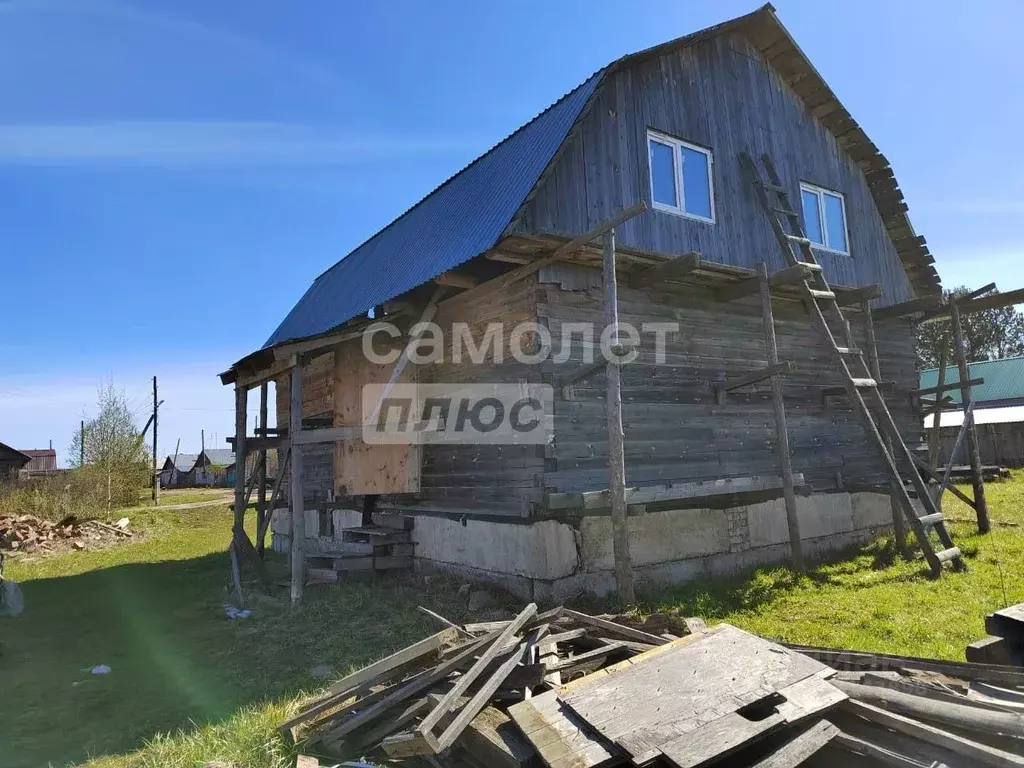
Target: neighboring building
x: 666, y: 126
x: 998, y: 411
x: 176, y: 470
x: 213, y: 467
x: 11, y: 462
x: 44, y: 461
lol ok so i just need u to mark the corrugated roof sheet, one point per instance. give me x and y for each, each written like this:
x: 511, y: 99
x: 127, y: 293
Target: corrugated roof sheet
x: 1004, y: 380
x: 221, y: 457
x: 185, y: 461
x: 448, y: 227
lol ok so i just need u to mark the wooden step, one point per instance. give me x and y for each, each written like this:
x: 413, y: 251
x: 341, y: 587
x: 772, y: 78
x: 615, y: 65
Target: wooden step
x: 864, y: 383
x: 798, y: 240
x: 945, y: 555
x: 932, y: 519
x: 773, y: 187
x: 816, y: 294
x: 784, y: 211
x: 848, y: 350
x: 809, y: 265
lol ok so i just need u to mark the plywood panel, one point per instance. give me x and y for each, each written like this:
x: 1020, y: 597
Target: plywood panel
x: 360, y: 468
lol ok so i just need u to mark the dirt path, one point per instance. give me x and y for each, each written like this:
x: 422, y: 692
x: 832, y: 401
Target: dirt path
x: 197, y: 504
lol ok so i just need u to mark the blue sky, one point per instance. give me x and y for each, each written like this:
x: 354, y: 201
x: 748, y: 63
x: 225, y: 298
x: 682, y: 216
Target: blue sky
x: 155, y: 155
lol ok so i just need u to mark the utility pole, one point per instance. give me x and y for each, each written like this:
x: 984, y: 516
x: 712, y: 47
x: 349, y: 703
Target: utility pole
x: 202, y: 446
x: 156, y: 477
x: 81, y: 446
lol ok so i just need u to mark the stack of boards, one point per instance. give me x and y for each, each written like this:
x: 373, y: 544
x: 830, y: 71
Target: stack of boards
x: 364, y: 550
x: 1005, y: 643
x: 566, y: 690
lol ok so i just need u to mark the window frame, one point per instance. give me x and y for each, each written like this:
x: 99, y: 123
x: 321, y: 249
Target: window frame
x: 820, y: 192
x: 677, y: 168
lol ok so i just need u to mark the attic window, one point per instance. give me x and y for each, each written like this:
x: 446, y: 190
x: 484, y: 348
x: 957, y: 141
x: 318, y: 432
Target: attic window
x: 680, y: 177
x: 825, y: 218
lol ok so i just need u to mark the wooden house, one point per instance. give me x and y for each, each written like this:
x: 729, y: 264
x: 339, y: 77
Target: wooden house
x: 652, y: 147
x: 176, y: 470
x: 11, y: 462
x: 213, y: 467
x: 43, y: 463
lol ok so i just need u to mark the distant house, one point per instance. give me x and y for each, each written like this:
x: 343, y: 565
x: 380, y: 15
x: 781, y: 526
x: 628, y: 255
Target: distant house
x: 998, y: 411
x: 176, y: 470
x: 213, y: 467
x: 43, y: 461
x: 11, y: 462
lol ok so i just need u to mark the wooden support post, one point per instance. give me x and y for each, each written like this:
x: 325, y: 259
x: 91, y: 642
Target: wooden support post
x: 899, y: 525
x: 261, y: 494
x: 934, y: 439
x: 238, y: 525
x: 781, y: 428
x: 980, y: 503
x: 616, y: 439
x: 298, y: 509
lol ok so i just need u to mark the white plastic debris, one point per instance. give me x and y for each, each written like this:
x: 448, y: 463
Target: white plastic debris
x: 101, y: 669
x: 237, y: 613
x: 122, y: 524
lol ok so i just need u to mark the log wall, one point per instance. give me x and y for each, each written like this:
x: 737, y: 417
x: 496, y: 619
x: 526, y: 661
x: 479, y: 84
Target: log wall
x: 675, y: 431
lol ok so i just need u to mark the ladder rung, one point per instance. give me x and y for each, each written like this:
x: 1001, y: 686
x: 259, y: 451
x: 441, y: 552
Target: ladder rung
x: 784, y: 211
x: 773, y: 187
x: 798, y: 239
x: 945, y: 555
x: 847, y: 350
x: 816, y: 294
x: 809, y: 266
x: 932, y: 519
x: 864, y: 383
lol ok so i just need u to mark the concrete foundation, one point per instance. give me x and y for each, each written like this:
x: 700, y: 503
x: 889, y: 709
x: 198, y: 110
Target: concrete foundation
x: 551, y: 560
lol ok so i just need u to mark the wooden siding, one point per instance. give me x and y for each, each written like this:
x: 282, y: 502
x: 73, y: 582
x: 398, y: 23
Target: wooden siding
x: 1000, y: 444
x: 675, y: 431
x: 721, y: 94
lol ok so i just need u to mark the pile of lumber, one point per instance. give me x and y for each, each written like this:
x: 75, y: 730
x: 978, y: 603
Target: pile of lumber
x: 28, y: 533
x: 1005, y: 641
x: 566, y: 690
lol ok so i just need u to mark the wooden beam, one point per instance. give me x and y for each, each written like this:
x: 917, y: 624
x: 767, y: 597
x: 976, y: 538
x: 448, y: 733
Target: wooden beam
x: 455, y: 280
x: 898, y: 523
x: 934, y: 439
x: 781, y: 427
x: 403, y: 359
x: 968, y: 424
x: 994, y: 301
x: 924, y: 304
x: 298, y: 508
x: 773, y: 369
x: 923, y: 466
x: 616, y: 438
x: 570, y: 247
x: 653, y: 494
x: 261, y: 495
x: 947, y: 386
x: 967, y: 398
x: 252, y: 378
x: 787, y: 276
x: 847, y: 296
x: 325, y: 435
x: 671, y: 269
x: 291, y: 350
x: 238, y: 525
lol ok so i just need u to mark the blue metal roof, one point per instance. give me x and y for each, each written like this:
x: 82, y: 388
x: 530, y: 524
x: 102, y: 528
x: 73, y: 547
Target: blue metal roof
x: 448, y: 227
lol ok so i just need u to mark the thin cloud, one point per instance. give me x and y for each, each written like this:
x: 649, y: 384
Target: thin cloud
x: 215, y: 37
x: 211, y: 143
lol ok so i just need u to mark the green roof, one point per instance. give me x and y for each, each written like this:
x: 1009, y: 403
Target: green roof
x: 1004, y: 381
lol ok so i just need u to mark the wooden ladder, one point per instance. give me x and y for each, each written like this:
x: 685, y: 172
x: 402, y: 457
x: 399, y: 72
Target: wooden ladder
x: 859, y: 382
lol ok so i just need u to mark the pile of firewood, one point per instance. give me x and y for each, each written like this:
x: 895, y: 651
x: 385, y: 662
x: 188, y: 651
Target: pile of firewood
x: 566, y: 690
x: 28, y: 533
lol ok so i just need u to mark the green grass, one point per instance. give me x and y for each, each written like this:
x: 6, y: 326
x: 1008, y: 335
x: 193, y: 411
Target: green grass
x: 189, y: 685
x: 870, y: 600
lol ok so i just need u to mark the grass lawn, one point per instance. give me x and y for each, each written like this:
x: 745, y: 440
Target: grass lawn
x: 153, y: 611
